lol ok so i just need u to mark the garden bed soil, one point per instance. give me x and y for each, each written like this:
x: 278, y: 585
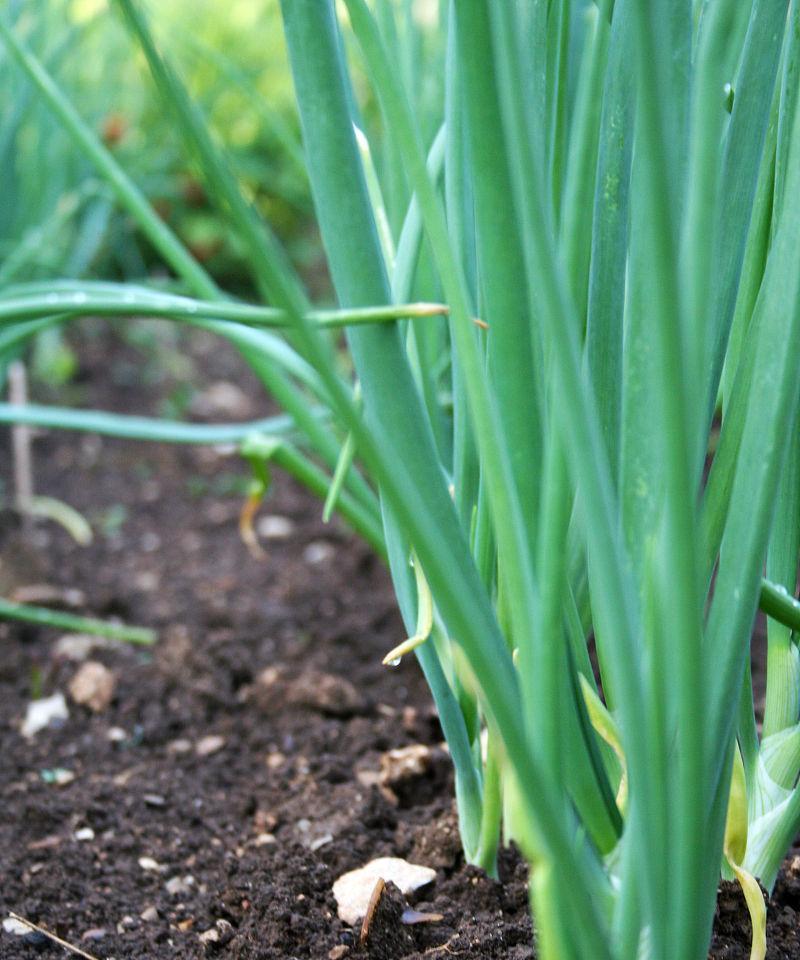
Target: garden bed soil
x: 236, y: 772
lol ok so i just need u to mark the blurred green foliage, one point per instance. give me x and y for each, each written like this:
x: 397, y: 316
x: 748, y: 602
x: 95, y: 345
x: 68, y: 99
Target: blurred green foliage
x: 56, y: 218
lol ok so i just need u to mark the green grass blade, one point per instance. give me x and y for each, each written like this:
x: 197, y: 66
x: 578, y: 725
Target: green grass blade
x: 141, y: 428
x: 754, y: 86
x: 604, y: 322
x: 44, y: 617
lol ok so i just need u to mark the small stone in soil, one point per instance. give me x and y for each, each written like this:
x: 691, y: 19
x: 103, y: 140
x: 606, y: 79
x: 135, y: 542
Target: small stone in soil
x: 273, y: 527
x: 178, y: 885
x: 75, y: 646
x: 353, y: 889
x: 318, y: 551
x: 41, y: 713
x: 58, y: 775
x: 328, y: 693
x: 208, y: 745
x: 149, y: 915
x: 154, y: 800
x: 405, y: 763
x: 15, y: 927
x: 96, y: 933
x: 263, y: 839
x: 93, y: 686
x: 85, y: 833
x: 412, y: 917
x: 148, y: 863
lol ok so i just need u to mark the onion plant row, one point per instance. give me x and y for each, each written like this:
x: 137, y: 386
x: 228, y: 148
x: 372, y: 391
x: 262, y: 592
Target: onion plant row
x: 584, y: 497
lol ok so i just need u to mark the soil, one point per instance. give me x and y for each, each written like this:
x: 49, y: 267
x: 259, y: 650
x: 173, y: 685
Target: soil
x: 236, y: 772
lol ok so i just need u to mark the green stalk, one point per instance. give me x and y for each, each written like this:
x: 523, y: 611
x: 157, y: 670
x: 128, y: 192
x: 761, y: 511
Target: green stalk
x: 782, y: 708
x: 579, y: 180
x: 606, y: 301
x: 744, y: 144
x: 141, y: 428
x: 122, y: 300
x: 663, y: 83
x: 44, y: 617
x: 514, y: 349
x: 773, y: 402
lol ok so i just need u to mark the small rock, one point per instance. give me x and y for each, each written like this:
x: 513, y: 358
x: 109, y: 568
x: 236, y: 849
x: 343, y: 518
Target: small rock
x: 275, y: 689
x: 263, y: 839
x: 413, y: 917
x: 149, y: 915
x: 46, y: 843
x: 322, y: 841
x: 148, y: 863
x: 405, y: 763
x: 75, y: 646
x: 353, y: 889
x: 209, y: 936
x: 180, y: 745
x: 318, y: 551
x: 225, y: 930
x: 273, y: 527
x: 208, y: 745
x: 125, y: 923
x: 146, y: 581
x: 93, y: 686
x: 116, y: 735
x: 45, y: 594
x: 16, y: 927
x: 96, y: 933
x: 154, y: 800
x: 179, y: 885
x: 57, y: 775
x: 41, y: 713
x: 336, y: 953
x: 85, y: 833
x: 220, y: 934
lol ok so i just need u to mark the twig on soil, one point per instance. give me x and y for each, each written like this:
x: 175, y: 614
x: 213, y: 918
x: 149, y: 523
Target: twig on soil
x: 374, y: 900
x: 53, y: 937
x: 443, y: 947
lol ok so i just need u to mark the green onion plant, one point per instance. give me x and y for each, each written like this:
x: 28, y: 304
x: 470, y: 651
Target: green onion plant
x: 583, y: 497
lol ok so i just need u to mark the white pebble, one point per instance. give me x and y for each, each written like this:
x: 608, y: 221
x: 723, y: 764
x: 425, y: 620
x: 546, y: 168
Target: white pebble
x: 273, y: 527
x: 42, y: 712
x: 353, y: 889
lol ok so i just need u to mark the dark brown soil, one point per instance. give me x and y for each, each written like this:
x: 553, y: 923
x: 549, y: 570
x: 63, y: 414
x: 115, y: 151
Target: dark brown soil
x: 246, y: 840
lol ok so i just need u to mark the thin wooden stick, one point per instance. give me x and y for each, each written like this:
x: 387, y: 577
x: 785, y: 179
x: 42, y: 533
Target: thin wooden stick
x: 53, y: 937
